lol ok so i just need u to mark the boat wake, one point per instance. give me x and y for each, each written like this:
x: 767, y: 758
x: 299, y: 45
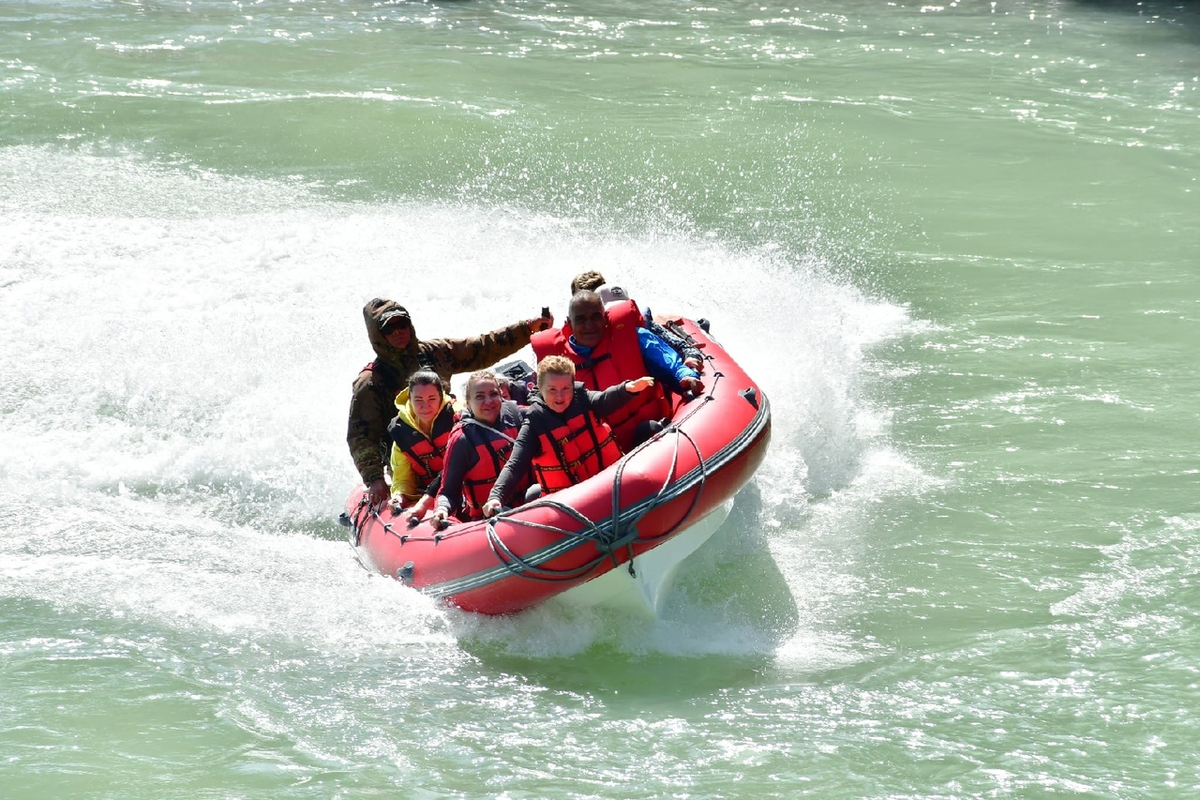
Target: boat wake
x: 179, y: 373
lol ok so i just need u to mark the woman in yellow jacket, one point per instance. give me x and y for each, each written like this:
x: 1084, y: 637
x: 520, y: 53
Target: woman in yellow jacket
x: 419, y: 432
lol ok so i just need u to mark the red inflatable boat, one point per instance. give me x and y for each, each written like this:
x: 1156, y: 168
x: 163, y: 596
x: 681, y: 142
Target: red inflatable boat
x: 615, y: 538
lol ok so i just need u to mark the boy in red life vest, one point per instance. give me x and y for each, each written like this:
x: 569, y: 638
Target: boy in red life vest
x: 609, y: 346
x: 563, y: 439
x: 420, y: 432
x: 480, y: 445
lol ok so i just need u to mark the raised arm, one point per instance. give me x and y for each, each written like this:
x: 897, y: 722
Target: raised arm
x: 612, y: 398
x: 450, y: 356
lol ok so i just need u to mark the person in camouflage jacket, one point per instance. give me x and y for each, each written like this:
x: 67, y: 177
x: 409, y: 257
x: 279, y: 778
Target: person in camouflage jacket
x: 398, y: 354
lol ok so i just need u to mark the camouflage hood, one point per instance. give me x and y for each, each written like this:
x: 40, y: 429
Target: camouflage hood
x: 406, y: 361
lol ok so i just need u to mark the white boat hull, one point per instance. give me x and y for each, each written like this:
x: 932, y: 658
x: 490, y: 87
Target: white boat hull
x: 653, y: 575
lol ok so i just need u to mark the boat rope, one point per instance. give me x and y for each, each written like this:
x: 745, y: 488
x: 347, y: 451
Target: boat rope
x: 361, y: 515
x: 365, y: 512
x: 617, y: 533
x: 521, y: 568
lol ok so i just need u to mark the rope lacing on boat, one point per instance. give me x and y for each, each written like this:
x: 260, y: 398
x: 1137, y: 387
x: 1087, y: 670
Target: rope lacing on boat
x: 618, y: 531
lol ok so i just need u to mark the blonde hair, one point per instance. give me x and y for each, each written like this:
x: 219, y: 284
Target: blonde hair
x: 555, y: 365
x: 477, y: 376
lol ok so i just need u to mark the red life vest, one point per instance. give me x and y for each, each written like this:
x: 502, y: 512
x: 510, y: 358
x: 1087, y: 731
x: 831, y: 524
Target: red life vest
x: 492, y: 450
x: 577, y: 447
x: 425, y: 454
x: 617, y: 358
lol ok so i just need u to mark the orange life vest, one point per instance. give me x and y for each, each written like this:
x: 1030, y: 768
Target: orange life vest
x: 617, y: 358
x: 493, y: 446
x: 577, y: 447
x: 425, y: 454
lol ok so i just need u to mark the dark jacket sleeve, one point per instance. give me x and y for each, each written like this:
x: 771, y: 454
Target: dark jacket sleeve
x: 460, y: 457
x: 527, y: 446
x: 449, y: 356
x: 367, y: 428
x: 608, y: 401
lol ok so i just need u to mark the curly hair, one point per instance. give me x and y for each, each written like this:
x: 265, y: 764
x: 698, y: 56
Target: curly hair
x: 554, y: 365
x: 590, y: 280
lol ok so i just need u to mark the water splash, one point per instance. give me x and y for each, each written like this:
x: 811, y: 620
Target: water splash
x: 181, y: 365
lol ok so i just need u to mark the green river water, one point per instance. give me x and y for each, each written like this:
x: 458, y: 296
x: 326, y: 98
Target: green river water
x: 955, y: 243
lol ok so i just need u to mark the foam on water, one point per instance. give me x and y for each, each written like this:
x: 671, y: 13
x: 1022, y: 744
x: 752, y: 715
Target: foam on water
x: 177, y: 372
